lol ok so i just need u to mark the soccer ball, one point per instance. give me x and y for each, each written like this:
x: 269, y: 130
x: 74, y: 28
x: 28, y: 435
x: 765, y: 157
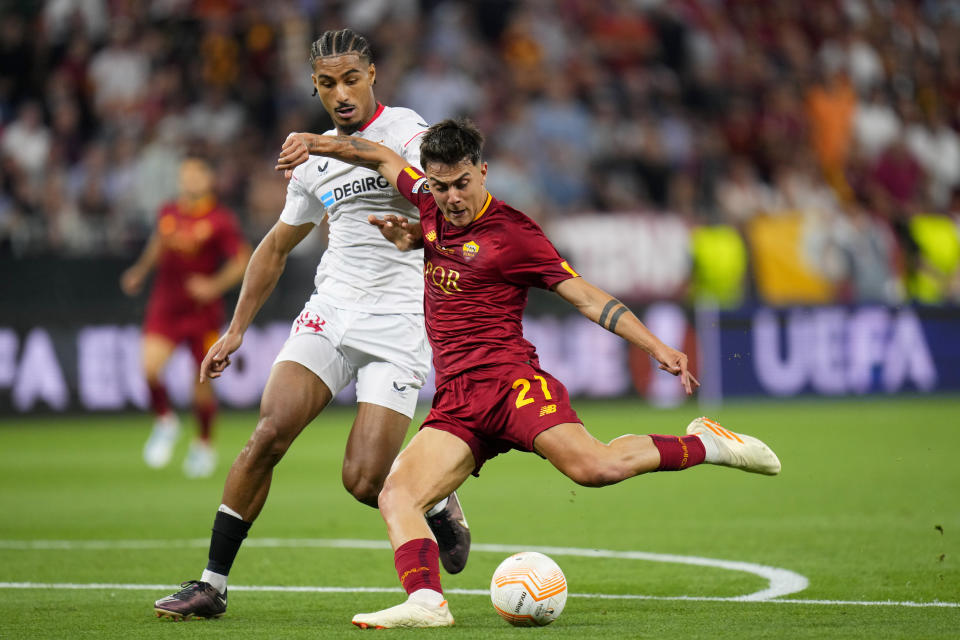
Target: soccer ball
x: 528, y: 589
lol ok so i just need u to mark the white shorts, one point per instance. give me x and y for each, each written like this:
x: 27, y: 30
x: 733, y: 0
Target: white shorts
x: 387, y: 354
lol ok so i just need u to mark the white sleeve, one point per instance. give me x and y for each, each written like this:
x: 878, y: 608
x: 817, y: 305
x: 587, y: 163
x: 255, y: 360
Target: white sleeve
x: 411, y: 151
x: 407, y: 133
x: 301, y: 206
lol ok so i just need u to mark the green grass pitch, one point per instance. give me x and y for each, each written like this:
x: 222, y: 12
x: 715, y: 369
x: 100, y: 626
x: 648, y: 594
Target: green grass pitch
x: 867, y: 509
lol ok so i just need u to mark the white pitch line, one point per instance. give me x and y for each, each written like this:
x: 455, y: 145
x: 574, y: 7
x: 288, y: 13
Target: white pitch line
x: 93, y: 586
x: 780, y: 582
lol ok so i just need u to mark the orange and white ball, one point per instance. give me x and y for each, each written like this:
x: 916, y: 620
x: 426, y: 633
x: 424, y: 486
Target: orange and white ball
x: 528, y: 589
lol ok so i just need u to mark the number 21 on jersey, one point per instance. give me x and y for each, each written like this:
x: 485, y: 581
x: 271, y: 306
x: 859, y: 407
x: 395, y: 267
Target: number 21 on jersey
x: 524, y: 385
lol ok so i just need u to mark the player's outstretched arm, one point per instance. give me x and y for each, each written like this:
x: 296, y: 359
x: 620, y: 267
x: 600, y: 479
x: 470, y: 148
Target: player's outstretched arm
x: 263, y: 271
x: 131, y: 282
x: 206, y: 288
x: 298, y: 147
x: 611, y: 314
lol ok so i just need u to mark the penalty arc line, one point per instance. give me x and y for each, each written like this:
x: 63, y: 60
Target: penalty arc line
x: 781, y: 582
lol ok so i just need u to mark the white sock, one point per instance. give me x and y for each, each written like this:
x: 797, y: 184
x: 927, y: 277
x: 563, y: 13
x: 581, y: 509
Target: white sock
x: 230, y: 512
x: 168, y: 422
x: 711, y: 449
x: 437, y: 508
x: 217, y: 580
x: 427, y: 597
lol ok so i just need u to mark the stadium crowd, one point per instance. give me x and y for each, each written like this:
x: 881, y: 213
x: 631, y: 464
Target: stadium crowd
x: 845, y: 112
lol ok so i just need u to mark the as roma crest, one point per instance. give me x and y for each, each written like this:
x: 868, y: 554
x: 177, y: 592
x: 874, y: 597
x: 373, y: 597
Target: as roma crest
x: 470, y: 250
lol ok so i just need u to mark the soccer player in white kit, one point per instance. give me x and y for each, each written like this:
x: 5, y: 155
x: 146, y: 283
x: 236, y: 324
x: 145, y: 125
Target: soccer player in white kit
x: 364, y: 322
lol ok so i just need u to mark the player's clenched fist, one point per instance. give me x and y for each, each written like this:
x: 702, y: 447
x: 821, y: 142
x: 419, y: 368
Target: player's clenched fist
x: 218, y: 357
x: 295, y: 151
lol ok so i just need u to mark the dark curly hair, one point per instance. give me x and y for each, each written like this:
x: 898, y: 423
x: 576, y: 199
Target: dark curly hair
x: 450, y: 142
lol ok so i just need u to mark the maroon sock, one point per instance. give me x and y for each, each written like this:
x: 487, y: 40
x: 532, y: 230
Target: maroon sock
x: 418, y: 565
x: 205, y: 413
x: 679, y: 452
x: 159, y: 400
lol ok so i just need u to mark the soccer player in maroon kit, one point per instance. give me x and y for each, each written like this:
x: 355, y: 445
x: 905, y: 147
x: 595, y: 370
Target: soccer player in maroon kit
x: 199, y: 253
x: 480, y: 257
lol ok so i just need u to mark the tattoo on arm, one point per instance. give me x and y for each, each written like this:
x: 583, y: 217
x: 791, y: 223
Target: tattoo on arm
x: 360, y: 144
x: 611, y: 315
x: 359, y: 147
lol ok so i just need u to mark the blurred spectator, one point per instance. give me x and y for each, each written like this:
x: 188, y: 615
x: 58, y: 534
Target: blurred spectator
x: 15, y: 63
x: 676, y: 137
x: 122, y: 184
x: 898, y: 180
x: 830, y: 107
x: 875, y: 124
x: 799, y: 186
x: 868, y: 247
x: 266, y: 195
x: 88, y: 187
x: 783, y: 127
x: 741, y: 194
x: 936, y: 146
x: 437, y: 91
x: 219, y: 53
x: 66, y: 232
x: 715, y: 110
x: 119, y: 74
x: 27, y: 141
x: 67, y: 139
x: 512, y: 180
x: 623, y: 36
x: 851, y: 52
x: 216, y: 119
x: 155, y: 175
x: 62, y: 18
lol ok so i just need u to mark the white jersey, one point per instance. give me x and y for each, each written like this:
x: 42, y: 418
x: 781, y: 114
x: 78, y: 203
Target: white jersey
x: 361, y: 270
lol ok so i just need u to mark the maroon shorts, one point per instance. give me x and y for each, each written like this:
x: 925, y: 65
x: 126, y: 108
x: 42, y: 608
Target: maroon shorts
x: 198, y: 331
x: 497, y: 408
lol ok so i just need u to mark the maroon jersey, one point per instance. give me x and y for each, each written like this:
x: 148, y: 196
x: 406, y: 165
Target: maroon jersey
x: 191, y: 242
x: 476, y: 280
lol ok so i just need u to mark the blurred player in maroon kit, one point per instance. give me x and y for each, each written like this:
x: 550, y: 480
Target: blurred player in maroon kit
x: 199, y: 253
x: 480, y: 258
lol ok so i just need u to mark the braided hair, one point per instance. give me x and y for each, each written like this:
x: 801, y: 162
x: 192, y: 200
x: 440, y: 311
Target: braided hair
x: 338, y: 43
